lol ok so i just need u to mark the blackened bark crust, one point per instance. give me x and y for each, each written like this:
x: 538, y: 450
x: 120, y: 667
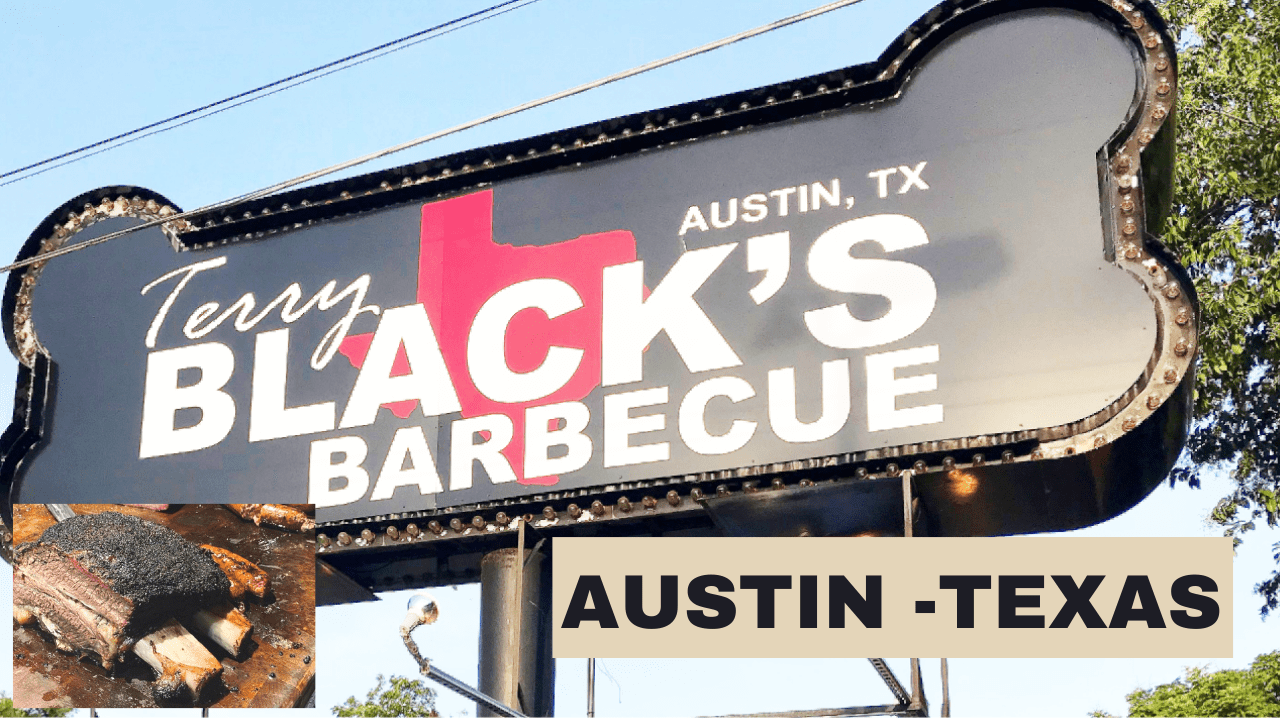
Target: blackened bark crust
x: 147, y: 563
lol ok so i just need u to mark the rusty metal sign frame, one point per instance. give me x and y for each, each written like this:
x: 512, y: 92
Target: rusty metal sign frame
x: 443, y: 546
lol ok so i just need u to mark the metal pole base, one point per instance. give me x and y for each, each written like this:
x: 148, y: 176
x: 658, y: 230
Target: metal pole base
x: 516, y: 667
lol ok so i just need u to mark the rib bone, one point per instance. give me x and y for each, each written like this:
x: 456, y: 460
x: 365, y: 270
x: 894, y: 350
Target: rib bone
x: 179, y: 659
x: 223, y: 624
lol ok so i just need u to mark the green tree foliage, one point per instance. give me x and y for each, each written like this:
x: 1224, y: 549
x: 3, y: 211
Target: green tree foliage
x: 1225, y: 227
x: 1254, y: 692
x: 404, y: 698
x: 8, y: 710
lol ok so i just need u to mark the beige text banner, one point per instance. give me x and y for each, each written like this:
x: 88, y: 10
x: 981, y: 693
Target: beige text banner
x: 896, y: 597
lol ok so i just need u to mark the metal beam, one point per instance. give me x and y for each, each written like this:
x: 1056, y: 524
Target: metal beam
x: 856, y: 711
x: 891, y: 680
x: 481, y: 699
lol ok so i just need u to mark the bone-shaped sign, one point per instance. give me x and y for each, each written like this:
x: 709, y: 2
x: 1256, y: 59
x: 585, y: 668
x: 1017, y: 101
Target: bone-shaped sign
x: 906, y: 265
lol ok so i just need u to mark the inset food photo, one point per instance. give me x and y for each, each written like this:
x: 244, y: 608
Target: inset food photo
x: 156, y: 605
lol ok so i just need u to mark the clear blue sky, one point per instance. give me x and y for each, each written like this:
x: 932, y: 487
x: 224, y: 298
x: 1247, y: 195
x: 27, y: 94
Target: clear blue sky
x: 81, y: 71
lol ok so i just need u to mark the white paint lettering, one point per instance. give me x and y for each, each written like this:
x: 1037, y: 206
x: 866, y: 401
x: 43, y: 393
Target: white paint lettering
x: 693, y: 220
x: 770, y: 254
x: 539, y: 438
x: 754, y: 207
x: 715, y: 214
x: 427, y: 382
x: 323, y: 471
x: 821, y: 194
x: 162, y: 398
x: 409, y: 444
x: 912, y: 178
x: 909, y: 288
x: 187, y: 272
x: 783, y: 413
x: 693, y: 420
x: 619, y: 426
x: 464, y: 450
x: 782, y: 195
x: 631, y: 321
x: 883, y: 177
x: 883, y: 389
x: 486, y: 343
x: 269, y: 419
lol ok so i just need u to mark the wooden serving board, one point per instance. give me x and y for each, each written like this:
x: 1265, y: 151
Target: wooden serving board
x: 277, y: 665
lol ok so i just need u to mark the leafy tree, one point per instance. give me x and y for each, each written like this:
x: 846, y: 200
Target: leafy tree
x: 1254, y: 692
x: 1225, y: 226
x: 8, y: 710
x: 404, y: 698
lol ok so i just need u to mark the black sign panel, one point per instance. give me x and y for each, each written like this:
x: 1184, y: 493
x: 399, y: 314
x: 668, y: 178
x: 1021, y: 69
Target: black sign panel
x: 902, y: 265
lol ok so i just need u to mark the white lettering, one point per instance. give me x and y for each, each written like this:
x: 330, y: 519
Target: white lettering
x: 754, y: 207
x: 912, y: 178
x: 486, y: 343
x: 909, y: 288
x: 693, y: 219
x: 782, y: 195
x: 323, y: 470
x: 693, y: 410
x: 715, y: 214
x: 883, y: 177
x: 427, y: 382
x: 883, y: 389
x: 162, y: 398
x: 269, y: 419
x: 189, y: 272
x: 822, y: 194
x: 631, y: 321
x: 409, y: 443
x: 770, y: 254
x: 464, y: 450
x: 539, y: 438
x: 325, y: 300
x: 619, y: 426
x: 783, y: 413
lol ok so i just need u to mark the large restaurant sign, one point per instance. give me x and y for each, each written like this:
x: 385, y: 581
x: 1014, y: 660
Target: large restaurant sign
x: 938, y: 261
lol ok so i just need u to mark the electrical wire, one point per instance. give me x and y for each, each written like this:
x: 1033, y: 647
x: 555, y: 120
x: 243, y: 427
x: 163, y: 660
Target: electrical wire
x: 301, y: 179
x: 238, y: 96
x: 303, y: 81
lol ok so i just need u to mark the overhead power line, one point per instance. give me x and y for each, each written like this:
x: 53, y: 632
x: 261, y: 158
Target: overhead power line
x: 248, y: 96
x: 301, y: 179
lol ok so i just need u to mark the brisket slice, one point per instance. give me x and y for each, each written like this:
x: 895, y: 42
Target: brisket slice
x: 98, y: 582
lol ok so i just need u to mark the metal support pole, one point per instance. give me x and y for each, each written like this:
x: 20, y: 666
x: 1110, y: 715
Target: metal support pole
x: 514, y: 609
x: 591, y: 687
x: 516, y: 668
x: 908, y: 521
x: 946, y: 691
x: 919, y: 705
x: 908, y: 527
